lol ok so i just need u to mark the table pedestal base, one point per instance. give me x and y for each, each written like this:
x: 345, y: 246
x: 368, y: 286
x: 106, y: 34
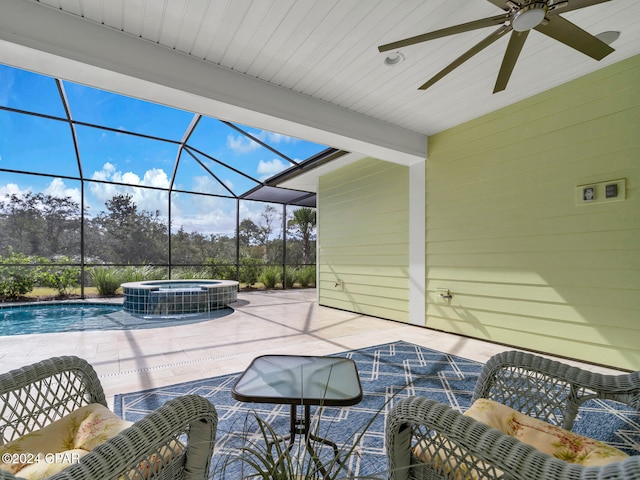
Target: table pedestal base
x: 302, y: 426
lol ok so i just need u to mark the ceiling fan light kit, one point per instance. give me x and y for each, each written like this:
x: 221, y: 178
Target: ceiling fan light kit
x: 519, y: 18
x: 528, y: 17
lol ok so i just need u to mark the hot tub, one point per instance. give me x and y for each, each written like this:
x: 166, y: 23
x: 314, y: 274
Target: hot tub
x: 176, y: 297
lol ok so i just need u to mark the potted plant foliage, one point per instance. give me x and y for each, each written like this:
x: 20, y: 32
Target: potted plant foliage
x: 260, y: 453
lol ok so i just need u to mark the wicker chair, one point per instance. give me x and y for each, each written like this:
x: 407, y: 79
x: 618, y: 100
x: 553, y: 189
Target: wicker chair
x: 538, y: 387
x: 33, y: 397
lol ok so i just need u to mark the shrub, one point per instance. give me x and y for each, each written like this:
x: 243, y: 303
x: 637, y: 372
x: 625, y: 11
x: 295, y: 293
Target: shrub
x: 290, y: 276
x: 132, y: 273
x: 219, y: 270
x: 63, y: 278
x: 17, y: 276
x: 15, y: 287
x: 271, y: 276
x: 306, y: 276
x: 128, y: 274
x: 188, y: 273
x: 107, y: 280
x: 250, y: 270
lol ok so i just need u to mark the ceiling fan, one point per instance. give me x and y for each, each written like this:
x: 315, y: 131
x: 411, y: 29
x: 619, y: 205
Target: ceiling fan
x: 520, y: 18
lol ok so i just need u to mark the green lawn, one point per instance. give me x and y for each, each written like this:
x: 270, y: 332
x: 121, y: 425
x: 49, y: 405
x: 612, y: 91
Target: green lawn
x: 38, y: 292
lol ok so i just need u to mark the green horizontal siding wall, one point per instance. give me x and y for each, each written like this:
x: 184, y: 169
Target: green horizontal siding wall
x: 363, y: 239
x: 525, y: 264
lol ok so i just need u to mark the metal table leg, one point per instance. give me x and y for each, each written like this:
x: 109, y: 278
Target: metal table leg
x: 303, y: 427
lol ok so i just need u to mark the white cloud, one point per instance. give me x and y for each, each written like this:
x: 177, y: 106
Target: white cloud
x: 216, y: 221
x: 57, y: 188
x: 204, y: 214
x: 267, y: 169
x: 128, y: 178
x: 241, y: 144
x: 207, y: 184
x: 145, y: 199
x: 155, y: 177
x: 105, y: 173
x: 10, y: 189
x: 254, y: 210
x: 277, y: 138
x: 207, y: 215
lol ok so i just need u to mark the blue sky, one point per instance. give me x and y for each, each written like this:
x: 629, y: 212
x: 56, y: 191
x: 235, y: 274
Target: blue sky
x: 45, y: 145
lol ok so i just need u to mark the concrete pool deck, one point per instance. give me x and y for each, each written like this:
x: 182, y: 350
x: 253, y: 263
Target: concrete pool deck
x: 266, y: 322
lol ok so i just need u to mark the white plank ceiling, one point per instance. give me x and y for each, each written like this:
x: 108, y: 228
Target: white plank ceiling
x: 327, y: 49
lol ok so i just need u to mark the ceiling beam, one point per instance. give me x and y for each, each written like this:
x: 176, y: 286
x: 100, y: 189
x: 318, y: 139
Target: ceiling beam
x: 39, y: 38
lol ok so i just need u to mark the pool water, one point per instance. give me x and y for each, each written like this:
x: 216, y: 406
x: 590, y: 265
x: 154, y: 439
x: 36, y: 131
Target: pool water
x: 181, y: 285
x: 75, y: 317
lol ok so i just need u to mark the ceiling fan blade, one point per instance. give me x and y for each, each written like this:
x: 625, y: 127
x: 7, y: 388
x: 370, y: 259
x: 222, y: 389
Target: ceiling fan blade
x: 570, y: 34
x: 516, y: 42
x: 567, y: 6
x: 467, y: 55
x: 463, y: 27
x: 500, y: 4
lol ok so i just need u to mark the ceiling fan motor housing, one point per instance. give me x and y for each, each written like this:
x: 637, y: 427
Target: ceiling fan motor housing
x: 529, y: 16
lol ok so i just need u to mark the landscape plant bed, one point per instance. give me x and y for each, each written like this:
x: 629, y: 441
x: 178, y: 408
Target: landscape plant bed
x: 42, y: 294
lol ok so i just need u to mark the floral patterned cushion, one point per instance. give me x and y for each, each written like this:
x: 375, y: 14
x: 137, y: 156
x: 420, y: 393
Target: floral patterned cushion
x: 47, y: 451
x: 543, y: 436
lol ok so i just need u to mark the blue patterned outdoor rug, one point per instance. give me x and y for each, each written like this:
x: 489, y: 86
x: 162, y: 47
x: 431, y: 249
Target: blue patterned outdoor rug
x: 388, y: 373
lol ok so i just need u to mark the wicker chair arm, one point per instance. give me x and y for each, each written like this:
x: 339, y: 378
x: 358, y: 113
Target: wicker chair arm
x: 548, y: 389
x: 21, y: 377
x: 36, y: 395
x: 190, y: 414
x: 475, y: 445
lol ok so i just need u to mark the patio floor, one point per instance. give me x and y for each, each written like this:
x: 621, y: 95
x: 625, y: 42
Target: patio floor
x: 289, y: 321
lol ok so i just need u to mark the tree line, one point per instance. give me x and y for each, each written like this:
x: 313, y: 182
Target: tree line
x: 38, y: 224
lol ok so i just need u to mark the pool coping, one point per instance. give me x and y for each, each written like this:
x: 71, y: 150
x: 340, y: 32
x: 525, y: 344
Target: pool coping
x: 45, y: 303
x: 147, y: 284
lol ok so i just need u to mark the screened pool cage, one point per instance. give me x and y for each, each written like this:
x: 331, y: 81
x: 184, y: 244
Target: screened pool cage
x: 93, y: 183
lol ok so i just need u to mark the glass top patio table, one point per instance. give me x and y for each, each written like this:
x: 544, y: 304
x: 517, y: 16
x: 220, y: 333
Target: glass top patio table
x: 300, y: 380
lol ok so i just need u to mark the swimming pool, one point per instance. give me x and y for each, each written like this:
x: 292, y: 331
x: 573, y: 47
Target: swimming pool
x: 82, y: 316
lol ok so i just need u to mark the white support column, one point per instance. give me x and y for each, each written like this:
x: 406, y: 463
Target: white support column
x: 318, y: 239
x: 417, y: 271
